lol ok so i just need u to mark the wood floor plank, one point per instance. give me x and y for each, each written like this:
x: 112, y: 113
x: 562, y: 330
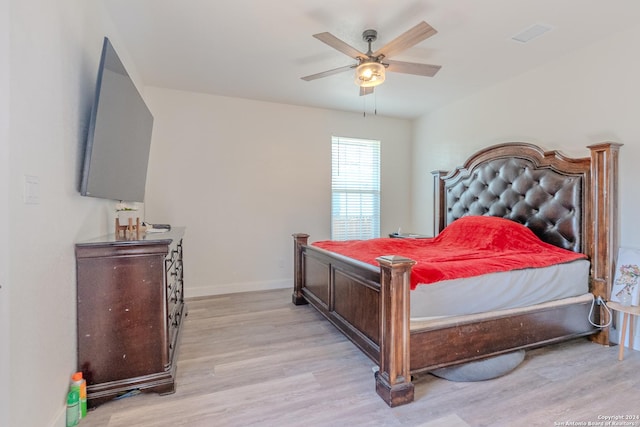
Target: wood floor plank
x: 255, y: 359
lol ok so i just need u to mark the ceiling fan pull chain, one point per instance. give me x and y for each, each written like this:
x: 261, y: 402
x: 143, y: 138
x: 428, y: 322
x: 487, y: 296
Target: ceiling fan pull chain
x: 375, y: 103
x: 364, y: 107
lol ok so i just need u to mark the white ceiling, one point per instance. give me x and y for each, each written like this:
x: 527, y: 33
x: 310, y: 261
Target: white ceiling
x: 259, y: 49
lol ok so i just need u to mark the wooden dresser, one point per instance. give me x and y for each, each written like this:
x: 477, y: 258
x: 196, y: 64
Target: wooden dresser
x: 130, y: 310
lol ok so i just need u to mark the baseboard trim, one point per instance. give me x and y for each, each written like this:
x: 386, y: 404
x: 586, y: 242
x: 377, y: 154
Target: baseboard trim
x: 233, y: 288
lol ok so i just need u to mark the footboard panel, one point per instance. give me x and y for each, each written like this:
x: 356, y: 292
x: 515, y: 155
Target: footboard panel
x: 464, y: 342
x: 364, y: 316
x: 316, y: 277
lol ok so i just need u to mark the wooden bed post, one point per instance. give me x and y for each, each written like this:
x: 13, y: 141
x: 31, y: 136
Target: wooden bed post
x: 438, y: 202
x: 605, y: 233
x: 393, y: 380
x: 299, y: 240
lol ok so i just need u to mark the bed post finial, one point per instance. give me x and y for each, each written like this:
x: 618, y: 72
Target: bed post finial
x: 393, y: 380
x: 299, y: 240
x: 605, y: 234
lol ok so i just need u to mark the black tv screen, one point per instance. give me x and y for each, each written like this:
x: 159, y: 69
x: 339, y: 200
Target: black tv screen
x: 119, y: 137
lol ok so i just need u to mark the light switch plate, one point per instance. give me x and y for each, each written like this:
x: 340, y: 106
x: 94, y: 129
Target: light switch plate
x: 31, y: 190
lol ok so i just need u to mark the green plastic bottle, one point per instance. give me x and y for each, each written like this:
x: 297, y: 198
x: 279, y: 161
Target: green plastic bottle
x: 73, y: 408
x: 80, y: 384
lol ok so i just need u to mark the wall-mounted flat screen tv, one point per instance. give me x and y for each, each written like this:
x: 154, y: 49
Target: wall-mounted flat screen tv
x: 119, y: 138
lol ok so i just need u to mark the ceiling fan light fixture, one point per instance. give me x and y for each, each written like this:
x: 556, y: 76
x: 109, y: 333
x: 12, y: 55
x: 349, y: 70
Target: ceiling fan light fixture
x: 369, y: 74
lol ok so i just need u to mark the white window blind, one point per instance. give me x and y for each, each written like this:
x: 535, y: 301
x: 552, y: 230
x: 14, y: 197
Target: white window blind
x: 355, y: 188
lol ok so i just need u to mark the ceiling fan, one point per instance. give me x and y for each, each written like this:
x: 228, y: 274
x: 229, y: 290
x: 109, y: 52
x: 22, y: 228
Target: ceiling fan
x: 371, y: 66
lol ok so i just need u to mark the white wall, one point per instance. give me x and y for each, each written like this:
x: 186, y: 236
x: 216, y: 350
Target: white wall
x: 5, y: 368
x: 243, y: 175
x: 590, y: 96
x: 53, y: 54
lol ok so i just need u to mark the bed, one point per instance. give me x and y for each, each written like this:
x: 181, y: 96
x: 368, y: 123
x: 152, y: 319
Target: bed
x: 568, y: 202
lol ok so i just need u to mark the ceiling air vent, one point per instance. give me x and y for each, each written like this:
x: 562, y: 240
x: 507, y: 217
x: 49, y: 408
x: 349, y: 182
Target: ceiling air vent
x: 531, y: 33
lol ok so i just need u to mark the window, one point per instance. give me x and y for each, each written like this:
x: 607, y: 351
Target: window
x: 355, y: 188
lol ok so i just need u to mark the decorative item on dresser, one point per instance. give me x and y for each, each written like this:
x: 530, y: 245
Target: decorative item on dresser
x: 130, y: 310
x: 567, y: 202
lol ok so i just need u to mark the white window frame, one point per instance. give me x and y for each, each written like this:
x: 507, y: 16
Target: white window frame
x: 355, y: 188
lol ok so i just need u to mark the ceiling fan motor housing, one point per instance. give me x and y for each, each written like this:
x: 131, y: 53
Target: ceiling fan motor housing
x: 369, y: 36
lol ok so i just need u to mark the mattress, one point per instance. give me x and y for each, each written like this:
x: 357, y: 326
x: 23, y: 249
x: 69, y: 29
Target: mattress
x: 500, y: 291
x: 469, y: 247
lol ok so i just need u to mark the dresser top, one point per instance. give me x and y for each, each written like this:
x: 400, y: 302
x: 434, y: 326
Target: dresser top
x: 166, y: 237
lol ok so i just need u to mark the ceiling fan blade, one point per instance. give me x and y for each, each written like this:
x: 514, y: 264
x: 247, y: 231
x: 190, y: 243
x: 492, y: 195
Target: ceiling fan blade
x: 366, y: 90
x: 427, y: 70
x: 406, y: 40
x: 339, y: 45
x: 328, y: 73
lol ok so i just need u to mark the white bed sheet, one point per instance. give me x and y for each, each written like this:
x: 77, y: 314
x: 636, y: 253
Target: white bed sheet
x: 499, y: 291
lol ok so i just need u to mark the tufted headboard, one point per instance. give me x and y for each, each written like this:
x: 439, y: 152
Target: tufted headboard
x: 545, y: 191
x: 568, y: 202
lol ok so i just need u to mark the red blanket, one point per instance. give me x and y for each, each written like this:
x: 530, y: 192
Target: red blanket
x: 470, y: 246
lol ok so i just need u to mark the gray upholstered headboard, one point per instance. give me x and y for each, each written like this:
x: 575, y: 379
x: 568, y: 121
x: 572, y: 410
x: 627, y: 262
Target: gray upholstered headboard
x: 545, y: 191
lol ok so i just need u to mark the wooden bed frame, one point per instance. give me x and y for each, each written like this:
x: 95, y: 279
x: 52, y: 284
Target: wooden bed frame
x: 370, y: 305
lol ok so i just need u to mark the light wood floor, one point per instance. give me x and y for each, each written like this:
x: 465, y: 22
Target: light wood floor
x: 256, y: 359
